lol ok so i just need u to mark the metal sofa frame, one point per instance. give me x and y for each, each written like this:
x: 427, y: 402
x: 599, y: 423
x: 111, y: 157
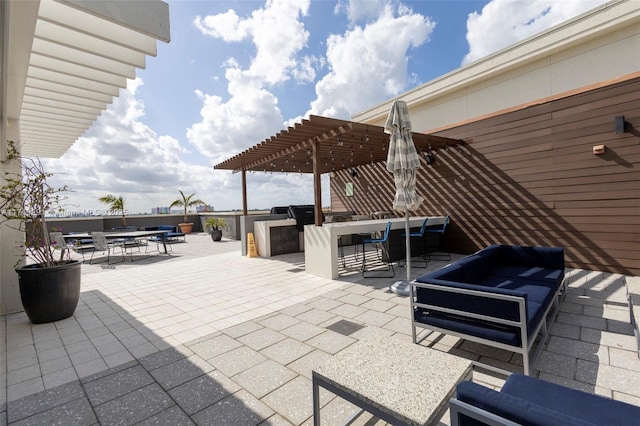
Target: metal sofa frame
x: 527, y: 360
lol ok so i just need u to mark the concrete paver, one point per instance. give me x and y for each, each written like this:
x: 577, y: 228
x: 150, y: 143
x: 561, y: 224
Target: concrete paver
x: 167, y: 341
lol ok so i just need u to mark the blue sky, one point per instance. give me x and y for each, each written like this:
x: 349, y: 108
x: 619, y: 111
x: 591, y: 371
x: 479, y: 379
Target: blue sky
x: 237, y: 72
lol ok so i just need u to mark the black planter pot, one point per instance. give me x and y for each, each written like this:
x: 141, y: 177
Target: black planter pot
x: 216, y: 235
x: 50, y: 294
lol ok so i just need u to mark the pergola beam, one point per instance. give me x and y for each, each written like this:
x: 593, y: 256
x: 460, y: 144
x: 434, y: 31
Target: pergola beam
x: 326, y: 139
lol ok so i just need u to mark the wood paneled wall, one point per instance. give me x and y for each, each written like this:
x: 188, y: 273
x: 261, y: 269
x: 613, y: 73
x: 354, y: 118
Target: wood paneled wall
x: 530, y: 177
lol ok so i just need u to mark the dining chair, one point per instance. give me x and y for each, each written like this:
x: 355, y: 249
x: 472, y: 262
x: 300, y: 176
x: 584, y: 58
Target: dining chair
x: 57, y: 242
x: 160, y: 240
x: 129, y: 243
x: 383, y: 245
x: 439, y: 231
x: 100, y: 243
x: 420, y: 234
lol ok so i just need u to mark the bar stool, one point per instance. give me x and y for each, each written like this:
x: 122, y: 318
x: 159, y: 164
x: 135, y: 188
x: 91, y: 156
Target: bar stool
x: 440, y: 233
x: 420, y: 234
x: 384, y: 244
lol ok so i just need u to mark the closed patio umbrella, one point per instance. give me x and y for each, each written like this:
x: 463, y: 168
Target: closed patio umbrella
x: 403, y: 161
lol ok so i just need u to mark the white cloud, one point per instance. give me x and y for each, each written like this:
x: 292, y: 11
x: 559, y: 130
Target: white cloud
x: 369, y: 64
x: 121, y: 155
x: 275, y: 30
x: 502, y: 23
x: 361, y: 10
x: 226, y: 26
x: 251, y: 113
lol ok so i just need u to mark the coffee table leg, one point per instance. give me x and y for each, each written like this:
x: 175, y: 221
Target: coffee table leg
x: 316, y: 402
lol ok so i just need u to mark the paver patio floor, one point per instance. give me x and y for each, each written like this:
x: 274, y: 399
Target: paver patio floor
x: 206, y: 336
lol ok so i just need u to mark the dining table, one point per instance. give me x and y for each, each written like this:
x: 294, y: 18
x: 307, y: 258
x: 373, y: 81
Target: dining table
x: 122, y: 235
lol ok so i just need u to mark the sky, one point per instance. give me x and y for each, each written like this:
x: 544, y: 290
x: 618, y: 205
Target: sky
x: 237, y: 72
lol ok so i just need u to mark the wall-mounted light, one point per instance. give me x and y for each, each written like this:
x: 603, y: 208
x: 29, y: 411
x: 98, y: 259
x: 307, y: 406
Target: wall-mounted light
x: 354, y: 172
x: 429, y: 157
x: 599, y: 149
x: 620, y: 124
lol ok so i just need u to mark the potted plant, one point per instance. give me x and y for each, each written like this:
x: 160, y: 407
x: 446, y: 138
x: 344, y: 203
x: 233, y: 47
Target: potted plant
x: 186, y: 202
x: 213, y: 224
x: 116, y: 204
x: 49, y: 287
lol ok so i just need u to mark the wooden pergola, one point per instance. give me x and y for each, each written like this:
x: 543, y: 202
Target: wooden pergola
x: 321, y: 145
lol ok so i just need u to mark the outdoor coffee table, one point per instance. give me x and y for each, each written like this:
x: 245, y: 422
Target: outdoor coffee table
x: 396, y: 381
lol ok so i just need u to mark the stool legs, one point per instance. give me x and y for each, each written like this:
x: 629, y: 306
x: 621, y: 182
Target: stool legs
x: 389, y: 263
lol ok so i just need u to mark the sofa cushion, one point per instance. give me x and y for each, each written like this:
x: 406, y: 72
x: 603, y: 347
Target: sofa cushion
x: 538, y: 292
x: 480, y: 305
x: 482, y: 329
x: 450, y: 272
x: 597, y: 409
x: 478, y: 266
x: 545, y: 257
x: 534, y: 273
x: 519, y: 410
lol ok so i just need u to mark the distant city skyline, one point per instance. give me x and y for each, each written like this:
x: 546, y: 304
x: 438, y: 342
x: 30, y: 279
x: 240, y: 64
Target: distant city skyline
x: 236, y: 73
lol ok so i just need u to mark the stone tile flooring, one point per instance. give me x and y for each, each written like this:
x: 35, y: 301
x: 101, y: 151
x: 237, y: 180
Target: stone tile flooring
x: 205, y: 336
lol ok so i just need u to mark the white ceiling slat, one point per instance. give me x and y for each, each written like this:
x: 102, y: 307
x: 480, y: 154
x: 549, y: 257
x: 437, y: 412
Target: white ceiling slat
x: 80, y: 55
x: 63, y: 106
x: 57, y: 132
x: 89, y: 24
x: 67, y: 37
x: 39, y: 136
x: 63, y: 67
x: 26, y: 106
x: 54, y: 123
x: 44, y: 138
x: 72, y: 81
x: 67, y: 90
x: 68, y: 54
x: 62, y: 119
x: 32, y: 91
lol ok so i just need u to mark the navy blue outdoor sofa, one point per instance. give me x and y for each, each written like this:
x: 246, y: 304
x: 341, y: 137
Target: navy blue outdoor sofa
x: 499, y: 296
x: 172, y: 233
x: 528, y: 401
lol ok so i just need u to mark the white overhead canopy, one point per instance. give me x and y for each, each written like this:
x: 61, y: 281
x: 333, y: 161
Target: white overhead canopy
x: 65, y: 60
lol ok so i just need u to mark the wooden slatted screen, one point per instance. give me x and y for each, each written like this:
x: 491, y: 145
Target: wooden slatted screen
x: 529, y: 177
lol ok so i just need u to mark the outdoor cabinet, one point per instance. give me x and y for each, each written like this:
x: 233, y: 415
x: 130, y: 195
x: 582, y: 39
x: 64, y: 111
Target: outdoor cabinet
x: 284, y: 239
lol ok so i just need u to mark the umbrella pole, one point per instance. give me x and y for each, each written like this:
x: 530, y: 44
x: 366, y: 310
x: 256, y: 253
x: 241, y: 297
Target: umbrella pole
x: 402, y: 287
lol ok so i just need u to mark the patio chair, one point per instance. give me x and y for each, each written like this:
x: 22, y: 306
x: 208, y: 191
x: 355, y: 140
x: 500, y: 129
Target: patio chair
x: 100, y: 243
x: 420, y: 234
x: 58, y: 242
x: 381, y: 244
x: 129, y: 243
x: 79, y: 245
x: 439, y: 232
x: 160, y: 240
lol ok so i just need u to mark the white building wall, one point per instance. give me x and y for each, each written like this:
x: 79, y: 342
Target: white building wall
x: 596, y: 47
x: 9, y: 289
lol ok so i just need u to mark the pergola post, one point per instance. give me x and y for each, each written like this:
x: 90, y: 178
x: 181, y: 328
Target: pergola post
x: 244, y: 192
x: 317, y: 188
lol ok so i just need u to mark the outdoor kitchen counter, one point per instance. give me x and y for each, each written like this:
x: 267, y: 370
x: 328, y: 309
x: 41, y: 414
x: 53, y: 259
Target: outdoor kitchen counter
x: 273, y: 237
x: 321, y: 242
